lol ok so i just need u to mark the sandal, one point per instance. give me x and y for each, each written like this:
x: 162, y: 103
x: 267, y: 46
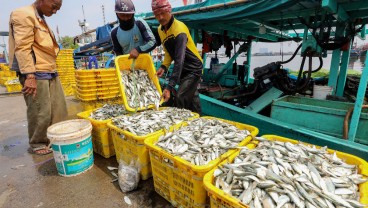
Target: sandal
x: 42, y: 150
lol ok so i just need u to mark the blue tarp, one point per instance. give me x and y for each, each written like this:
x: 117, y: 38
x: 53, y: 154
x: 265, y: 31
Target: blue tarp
x: 103, y: 32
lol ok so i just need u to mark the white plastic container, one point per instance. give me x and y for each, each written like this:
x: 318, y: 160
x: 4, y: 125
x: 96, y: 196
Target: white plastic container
x: 321, y: 92
x: 72, y: 146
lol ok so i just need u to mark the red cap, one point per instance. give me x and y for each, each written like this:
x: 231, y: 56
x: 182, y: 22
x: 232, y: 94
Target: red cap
x: 161, y: 5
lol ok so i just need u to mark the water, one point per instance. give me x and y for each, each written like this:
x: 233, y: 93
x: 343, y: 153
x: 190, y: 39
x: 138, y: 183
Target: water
x: 356, y: 64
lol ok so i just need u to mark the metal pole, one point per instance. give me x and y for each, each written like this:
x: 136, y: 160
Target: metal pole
x: 359, y: 102
x: 343, y: 71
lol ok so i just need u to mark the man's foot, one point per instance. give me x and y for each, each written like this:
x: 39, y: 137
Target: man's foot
x: 42, y: 150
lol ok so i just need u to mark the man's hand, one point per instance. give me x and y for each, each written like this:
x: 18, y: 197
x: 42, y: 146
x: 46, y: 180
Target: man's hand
x: 160, y: 72
x: 30, y: 85
x: 133, y: 53
x: 165, y: 95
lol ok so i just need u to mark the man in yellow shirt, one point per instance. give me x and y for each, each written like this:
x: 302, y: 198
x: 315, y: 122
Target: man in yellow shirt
x: 32, y: 54
x: 180, y: 48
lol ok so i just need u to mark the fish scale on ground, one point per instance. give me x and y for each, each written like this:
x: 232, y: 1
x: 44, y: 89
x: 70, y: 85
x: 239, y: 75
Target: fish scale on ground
x: 151, y: 121
x: 139, y: 88
x: 282, y: 174
x: 203, y: 140
x: 108, y: 111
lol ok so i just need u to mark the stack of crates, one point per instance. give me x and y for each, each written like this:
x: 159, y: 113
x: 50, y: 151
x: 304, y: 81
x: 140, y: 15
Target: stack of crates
x: 95, y: 87
x: 65, y: 68
x: 179, y: 181
x: 6, y: 74
x: 219, y: 198
x: 13, y: 85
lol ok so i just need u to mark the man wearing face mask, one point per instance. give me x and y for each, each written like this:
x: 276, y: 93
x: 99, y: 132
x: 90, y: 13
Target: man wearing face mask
x: 32, y: 54
x: 132, y: 36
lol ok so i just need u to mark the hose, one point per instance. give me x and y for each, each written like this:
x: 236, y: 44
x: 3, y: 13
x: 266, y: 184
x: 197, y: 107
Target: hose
x: 292, y: 57
x: 346, y: 121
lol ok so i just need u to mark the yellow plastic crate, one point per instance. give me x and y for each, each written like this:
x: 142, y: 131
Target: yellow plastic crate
x: 96, y: 77
x: 95, y: 86
x: 9, y: 73
x: 220, y: 199
x: 101, y: 135
x: 97, y: 82
x: 181, y: 182
x: 96, y: 72
x: 13, y: 87
x: 144, y: 62
x: 102, y: 90
x: 90, y: 105
x: 98, y: 96
x: 129, y: 146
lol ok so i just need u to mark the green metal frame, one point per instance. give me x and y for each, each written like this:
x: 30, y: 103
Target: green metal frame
x: 343, y: 71
x: 359, y: 103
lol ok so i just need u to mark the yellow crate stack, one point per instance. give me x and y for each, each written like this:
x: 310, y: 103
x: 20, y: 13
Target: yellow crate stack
x: 220, y: 199
x: 181, y: 182
x: 6, y: 74
x: 65, y: 68
x: 101, y: 135
x: 97, y: 87
x: 129, y: 146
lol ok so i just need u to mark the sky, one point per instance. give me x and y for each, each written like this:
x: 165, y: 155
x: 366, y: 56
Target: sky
x: 66, y: 19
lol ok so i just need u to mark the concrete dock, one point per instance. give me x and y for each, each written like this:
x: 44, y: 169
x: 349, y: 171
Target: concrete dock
x: 28, y: 180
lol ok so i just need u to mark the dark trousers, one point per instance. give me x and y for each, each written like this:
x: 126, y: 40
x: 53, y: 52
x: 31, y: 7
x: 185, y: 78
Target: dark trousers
x: 188, y: 96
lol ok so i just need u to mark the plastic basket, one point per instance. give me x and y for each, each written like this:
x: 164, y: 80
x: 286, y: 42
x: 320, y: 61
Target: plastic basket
x: 13, y: 87
x: 129, y: 146
x: 181, y: 182
x: 101, y: 135
x: 220, y: 199
x: 90, y: 105
x: 101, y: 90
x: 96, y: 72
x: 144, y: 62
x: 98, y: 96
x: 97, y: 82
x: 96, y: 77
x: 96, y: 86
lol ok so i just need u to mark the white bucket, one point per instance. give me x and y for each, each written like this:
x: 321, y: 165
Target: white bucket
x: 72, y: 146
x: 321, y: 92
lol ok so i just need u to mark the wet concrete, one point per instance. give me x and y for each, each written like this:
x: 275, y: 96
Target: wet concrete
x: 28, y: 180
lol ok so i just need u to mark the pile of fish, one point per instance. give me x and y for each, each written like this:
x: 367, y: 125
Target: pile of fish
x: 108, y: 111
x: 203, y: 140
x: 282, y: 174
x: 151, y: 121
x: 13, y: 81
x: 139, y: 89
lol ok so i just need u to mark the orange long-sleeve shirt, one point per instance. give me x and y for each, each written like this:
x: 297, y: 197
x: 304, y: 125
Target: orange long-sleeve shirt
x: 32, y: 45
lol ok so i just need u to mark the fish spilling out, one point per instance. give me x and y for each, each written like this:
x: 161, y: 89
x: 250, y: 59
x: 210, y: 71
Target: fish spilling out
x: 108, y: 111
x: 150, y: 121
x: 282, y: 174
x: 139, y: 89
x: 202, y: 140
x: 13, y: 81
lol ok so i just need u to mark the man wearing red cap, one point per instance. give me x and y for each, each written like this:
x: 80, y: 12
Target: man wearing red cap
x: 180, y: 48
